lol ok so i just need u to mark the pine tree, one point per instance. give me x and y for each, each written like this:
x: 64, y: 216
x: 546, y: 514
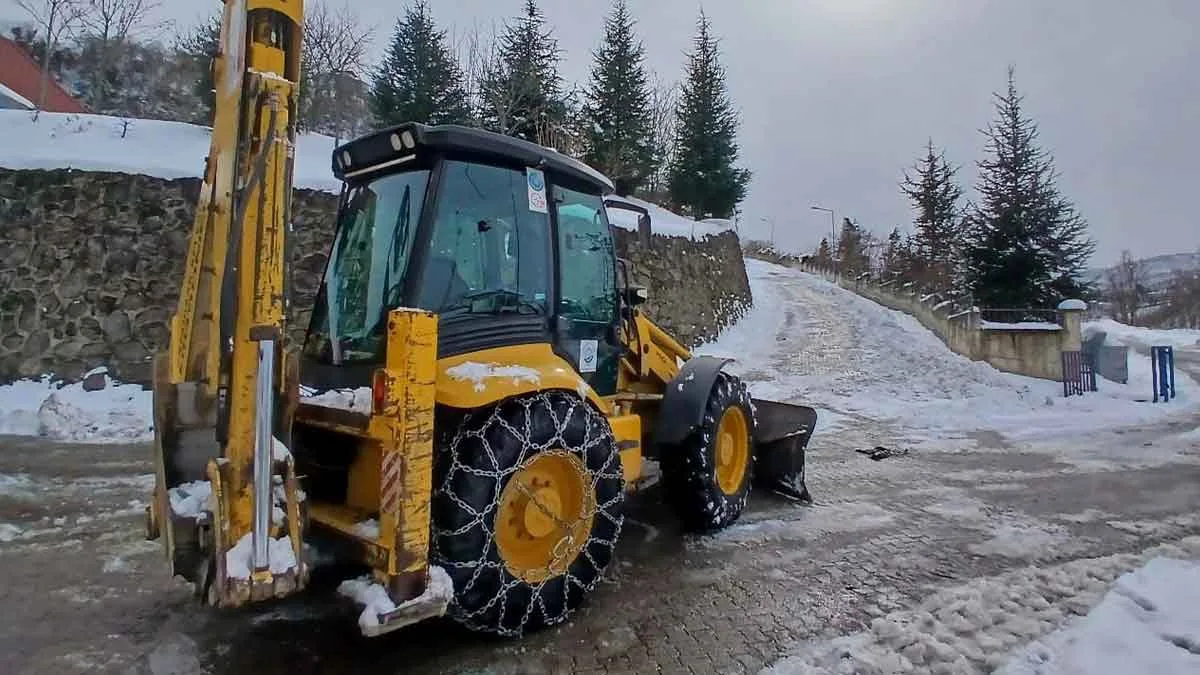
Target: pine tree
x: 616, y: 110
x: 934, y: 195
x: 521, y: 92
x: 1028, y: 245
x: 703, y: 178
x: 824, y: 256
x: 893, y: 255
x: 852, y: 246
x: 419, y: 79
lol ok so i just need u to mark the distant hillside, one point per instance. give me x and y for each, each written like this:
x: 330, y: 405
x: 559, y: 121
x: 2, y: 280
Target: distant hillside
x: 1158, y: 270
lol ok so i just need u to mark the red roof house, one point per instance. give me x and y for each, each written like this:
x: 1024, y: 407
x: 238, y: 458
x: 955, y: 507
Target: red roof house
x: 20, y: 83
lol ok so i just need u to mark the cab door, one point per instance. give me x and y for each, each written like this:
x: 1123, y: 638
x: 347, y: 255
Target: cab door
x: 586, y: 302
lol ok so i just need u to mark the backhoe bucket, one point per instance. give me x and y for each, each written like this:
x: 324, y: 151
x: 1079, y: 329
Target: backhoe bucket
x: 782, y: 434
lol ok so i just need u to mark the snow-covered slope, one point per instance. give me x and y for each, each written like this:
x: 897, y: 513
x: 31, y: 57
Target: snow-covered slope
x: 151, y: 147
x: 809, y: 341
x: 1157, y: 271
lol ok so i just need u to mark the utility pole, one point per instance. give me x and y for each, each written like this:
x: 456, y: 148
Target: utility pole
x: 832, y: 235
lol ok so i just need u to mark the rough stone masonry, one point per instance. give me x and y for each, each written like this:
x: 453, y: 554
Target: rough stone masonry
x: 90, y: 265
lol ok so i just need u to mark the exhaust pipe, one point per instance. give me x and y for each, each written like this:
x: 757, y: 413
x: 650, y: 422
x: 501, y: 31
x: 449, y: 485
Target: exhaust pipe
x: 264, y: 432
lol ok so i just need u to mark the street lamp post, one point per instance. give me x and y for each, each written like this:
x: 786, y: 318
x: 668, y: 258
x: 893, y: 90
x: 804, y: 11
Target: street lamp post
x: 832, y: 235
x: 771, y: 222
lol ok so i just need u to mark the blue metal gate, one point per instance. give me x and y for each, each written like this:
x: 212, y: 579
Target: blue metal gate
x: 1162, y: 362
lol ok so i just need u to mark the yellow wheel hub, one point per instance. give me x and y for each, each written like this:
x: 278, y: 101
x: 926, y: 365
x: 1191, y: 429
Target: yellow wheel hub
x: 733, y: 450
x: 545, y: 516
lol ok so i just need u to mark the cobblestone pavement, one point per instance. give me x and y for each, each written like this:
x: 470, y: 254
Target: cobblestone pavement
x: 84, y: 592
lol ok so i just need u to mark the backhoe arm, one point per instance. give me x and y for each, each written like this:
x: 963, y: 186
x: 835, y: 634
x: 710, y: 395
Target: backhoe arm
x: 224, y: 388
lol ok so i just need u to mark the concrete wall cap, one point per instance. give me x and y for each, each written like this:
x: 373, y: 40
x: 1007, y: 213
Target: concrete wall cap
x: 1072, y: 305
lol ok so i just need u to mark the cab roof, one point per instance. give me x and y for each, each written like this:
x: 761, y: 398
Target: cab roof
x: 402, y: 143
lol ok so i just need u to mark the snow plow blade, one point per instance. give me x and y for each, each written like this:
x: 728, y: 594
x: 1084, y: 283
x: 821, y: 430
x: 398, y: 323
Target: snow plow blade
x: 782, y: 434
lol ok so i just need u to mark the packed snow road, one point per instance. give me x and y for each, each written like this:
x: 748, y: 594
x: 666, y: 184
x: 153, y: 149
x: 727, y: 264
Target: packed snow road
x: 963, y: 555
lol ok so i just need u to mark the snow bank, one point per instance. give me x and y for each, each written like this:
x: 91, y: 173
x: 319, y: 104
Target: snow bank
x: 151, y: 147
x: 1122, y: 334
x: 665, y: 222
x: 980, y: 625
x: 1148, y: 623
x: 118, y: 413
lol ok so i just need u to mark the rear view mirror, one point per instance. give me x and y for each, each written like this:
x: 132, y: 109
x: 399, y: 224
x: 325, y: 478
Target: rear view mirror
x: 636, y: 295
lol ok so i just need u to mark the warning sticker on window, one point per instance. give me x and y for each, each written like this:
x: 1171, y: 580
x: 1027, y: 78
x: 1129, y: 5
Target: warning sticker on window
x: 537, y: 190
x: 587, y: 355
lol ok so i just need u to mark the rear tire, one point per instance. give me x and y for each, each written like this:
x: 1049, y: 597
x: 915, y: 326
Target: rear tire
x: 708, y: 476
x: 496, y: 475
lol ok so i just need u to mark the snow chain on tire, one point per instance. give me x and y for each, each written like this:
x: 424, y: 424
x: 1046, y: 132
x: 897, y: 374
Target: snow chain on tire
x: 689, y: 469
x: 477, y: 455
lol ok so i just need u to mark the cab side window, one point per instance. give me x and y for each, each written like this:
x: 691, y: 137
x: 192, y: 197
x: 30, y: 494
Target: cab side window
x: 587, y: 289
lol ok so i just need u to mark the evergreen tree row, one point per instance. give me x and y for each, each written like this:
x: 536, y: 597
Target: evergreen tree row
x: 513, y: 86
x: 1023, y: 245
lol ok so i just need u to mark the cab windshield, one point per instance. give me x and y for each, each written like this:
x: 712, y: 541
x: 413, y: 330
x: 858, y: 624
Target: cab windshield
x: 487, y: 253
x: 366, y: 267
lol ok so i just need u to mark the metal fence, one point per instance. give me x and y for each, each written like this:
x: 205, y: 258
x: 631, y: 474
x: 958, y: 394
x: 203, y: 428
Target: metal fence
x: 1079, y: 375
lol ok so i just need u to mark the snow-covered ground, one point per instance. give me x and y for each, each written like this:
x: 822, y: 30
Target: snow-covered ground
x: 807, y: 340
x: 1133, y: 336
x: 1148, y: 623
x: 115, y: 414
x: 150, y: 147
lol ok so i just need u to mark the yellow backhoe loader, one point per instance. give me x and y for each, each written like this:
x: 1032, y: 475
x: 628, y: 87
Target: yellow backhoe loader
x: 477, y: 392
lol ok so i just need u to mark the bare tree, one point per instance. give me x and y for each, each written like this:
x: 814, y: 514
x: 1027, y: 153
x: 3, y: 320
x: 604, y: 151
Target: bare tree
x: 336, y: 43
x: 663, y: 96
x: 1127, y: 289
x: 483, y: 70
x: 56, y: 18
x: 1181, y: 308
x: 107, y: 25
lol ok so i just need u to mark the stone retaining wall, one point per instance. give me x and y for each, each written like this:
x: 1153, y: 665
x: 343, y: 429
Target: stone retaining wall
x: 90, y: 265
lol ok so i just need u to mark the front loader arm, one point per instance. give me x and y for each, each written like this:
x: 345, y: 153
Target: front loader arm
x: 652, y: 357
x: 224, y: 387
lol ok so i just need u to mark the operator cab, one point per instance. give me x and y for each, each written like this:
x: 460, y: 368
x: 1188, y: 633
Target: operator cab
x: 506, y: 241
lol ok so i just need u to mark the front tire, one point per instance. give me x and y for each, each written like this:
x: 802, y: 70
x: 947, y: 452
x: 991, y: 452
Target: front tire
x: 708, y: 476
x: 527, y: 509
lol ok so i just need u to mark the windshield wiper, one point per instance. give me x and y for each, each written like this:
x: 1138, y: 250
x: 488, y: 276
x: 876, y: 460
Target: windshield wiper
x: 517, y: 300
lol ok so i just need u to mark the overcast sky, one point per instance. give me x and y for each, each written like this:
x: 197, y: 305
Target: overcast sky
x: 838, y: 96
